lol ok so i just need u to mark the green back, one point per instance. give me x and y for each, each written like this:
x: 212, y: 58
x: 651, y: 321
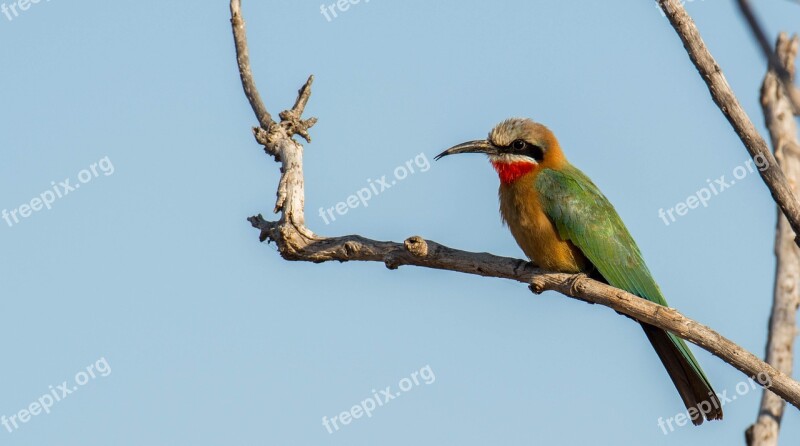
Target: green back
x: 583, y: 215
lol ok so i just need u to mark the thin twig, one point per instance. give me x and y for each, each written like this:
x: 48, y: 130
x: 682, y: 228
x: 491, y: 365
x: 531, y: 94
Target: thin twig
x: 792, y: 93
x: 245, y: 73
x: 723, y: 96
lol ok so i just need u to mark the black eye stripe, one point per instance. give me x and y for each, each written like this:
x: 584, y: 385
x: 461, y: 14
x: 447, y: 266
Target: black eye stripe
x: 522, y: 147
x: 535, y: 152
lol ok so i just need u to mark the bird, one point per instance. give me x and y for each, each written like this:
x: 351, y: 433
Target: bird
x: 563, y: 223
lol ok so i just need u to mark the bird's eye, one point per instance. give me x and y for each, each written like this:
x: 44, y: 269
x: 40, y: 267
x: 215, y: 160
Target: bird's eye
x: 519, y: 145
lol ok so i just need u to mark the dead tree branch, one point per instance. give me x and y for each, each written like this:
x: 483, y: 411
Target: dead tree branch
x: 296, y: 242
x: 785, y: 76
x: 723, y: 96
x: 243, y: 59
x: 779, y: 119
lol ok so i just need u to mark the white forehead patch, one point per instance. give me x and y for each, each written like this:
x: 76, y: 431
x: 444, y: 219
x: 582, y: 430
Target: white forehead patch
x: 509, y: 130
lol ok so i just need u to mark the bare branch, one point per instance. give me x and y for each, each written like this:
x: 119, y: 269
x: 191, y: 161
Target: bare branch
x: 416, y: 251
x: 293, y: 118
x: 723, y: 96
x: 245, y: 73
x: 792, y: 93
x: 298, y: 243
x: 779, y: 118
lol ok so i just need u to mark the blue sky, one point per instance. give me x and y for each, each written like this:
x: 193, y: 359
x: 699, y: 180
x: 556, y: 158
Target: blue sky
x: 149, y: 276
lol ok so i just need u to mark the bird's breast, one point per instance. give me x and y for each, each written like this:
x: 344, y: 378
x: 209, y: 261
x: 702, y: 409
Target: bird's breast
x: 535, y: 233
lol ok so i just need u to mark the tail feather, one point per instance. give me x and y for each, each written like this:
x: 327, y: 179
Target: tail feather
x: 692, y: 384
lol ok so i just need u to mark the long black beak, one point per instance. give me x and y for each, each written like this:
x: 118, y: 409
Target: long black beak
x: 481, y: 146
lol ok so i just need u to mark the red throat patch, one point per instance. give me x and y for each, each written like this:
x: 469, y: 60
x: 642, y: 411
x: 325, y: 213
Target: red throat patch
x: 510, y: 172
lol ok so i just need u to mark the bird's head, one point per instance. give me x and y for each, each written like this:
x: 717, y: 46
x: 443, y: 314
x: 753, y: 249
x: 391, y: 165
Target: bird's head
x: 516, y: 147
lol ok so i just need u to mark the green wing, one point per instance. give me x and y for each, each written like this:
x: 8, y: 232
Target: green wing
x: 583, y: 215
